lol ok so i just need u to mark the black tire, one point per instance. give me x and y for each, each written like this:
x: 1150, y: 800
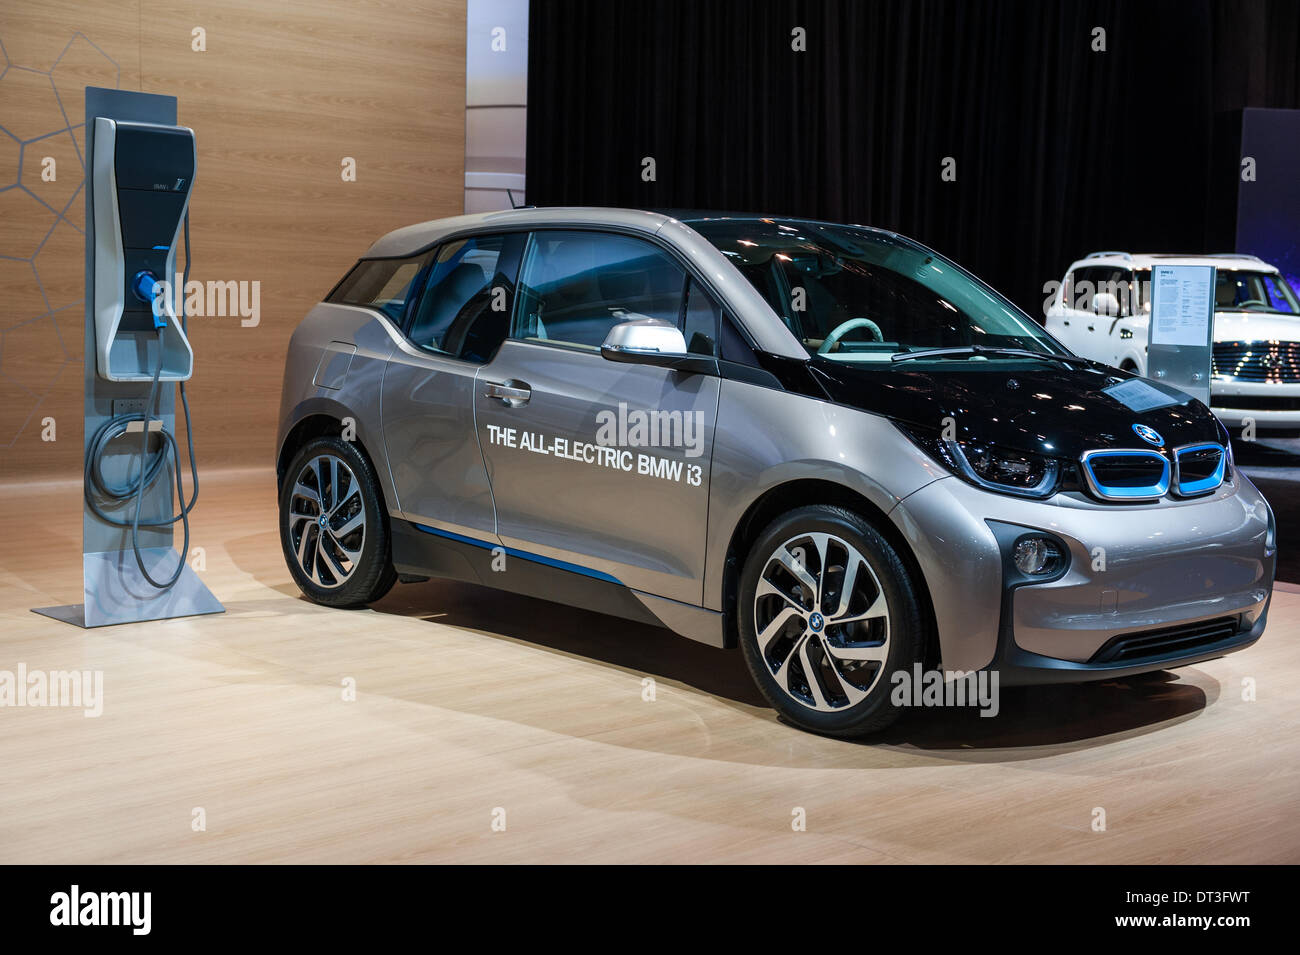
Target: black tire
x: 368, y: 577
x: 901, y: 644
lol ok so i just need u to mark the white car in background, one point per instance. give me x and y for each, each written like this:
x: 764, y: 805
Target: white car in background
x: 1103, y: 308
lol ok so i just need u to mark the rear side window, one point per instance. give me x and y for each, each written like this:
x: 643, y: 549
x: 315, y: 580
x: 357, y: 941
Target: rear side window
x: 383, y: 284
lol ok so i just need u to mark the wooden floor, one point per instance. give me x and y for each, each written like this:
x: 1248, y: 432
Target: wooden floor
x: 469, y: 702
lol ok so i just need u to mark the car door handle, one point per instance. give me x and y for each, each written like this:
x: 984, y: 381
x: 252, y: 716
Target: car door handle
x: 1092, y: 328
x: 514, y: 393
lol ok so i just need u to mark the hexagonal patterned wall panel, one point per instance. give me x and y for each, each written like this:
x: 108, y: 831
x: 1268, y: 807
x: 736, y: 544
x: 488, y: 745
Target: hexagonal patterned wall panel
x: 42, y: 175
x: 280, y: 94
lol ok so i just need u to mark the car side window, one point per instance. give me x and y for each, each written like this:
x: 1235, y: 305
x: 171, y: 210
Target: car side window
x: 383, y: 284
x: 1097, y: 279
x: 463, y: 310
x: 733, y: 346
x: 1124, y: 292
x: 700, y: 321
x: 1141, y: 291
x: 575, y: 286
x: 1084, y: 287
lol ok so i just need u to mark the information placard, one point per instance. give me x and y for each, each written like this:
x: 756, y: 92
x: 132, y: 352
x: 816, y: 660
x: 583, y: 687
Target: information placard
x: 1182, y: 304
x: 1181, y: 327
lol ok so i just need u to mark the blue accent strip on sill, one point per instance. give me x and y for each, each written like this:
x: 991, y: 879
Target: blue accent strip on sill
x: 161, y: 248
x: 521, y: 554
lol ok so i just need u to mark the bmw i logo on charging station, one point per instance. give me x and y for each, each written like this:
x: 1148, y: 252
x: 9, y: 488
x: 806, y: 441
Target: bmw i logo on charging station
x: 1149, y: 435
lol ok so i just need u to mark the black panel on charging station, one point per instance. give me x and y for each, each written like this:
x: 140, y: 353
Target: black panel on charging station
x: 153, y: 168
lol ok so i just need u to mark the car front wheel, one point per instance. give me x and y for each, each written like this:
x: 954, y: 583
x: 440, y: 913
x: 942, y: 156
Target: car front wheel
x: 827, y: 613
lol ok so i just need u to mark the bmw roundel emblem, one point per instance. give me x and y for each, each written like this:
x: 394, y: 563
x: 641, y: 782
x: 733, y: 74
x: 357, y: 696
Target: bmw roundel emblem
x: 1149, y: 435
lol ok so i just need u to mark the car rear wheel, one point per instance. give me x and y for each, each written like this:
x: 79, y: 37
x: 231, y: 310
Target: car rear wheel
x: 333, y: 528
x: 827, y: 613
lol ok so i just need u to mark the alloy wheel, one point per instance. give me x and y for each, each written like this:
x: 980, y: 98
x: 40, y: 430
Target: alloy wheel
x: 822, y: 622
x: 327, y: 521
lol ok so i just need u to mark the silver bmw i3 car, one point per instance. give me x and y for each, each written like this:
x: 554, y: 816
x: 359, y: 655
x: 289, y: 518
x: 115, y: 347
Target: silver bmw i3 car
x: 825, y: 444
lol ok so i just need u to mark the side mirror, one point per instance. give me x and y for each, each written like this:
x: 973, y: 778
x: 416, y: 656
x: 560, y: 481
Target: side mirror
x: 1105, y: 303
x: 652, y: 341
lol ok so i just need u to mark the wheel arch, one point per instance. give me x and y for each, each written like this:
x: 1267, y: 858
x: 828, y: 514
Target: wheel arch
x: 320, y: 419
x: 802, y: 492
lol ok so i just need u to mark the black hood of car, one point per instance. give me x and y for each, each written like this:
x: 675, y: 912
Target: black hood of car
x: 1022, y: 404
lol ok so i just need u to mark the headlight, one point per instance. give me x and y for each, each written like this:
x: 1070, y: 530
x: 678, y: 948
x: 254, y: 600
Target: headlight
x: 1022, y: 473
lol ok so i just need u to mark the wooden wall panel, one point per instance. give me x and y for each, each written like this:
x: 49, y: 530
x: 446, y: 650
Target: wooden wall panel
x: 283, y: 92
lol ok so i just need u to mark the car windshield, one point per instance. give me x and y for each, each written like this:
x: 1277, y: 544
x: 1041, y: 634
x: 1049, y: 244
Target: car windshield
x: 855, y: 294
x: 1238, y: 290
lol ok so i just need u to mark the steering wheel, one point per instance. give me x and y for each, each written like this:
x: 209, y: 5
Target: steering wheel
x: 1251, y: 301
x: 844, y: 328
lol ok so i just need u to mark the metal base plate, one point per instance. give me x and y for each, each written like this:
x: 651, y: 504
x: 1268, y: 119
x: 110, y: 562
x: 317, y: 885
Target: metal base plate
x: 116, y: 592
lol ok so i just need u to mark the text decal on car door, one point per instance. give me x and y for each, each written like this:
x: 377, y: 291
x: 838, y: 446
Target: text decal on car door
x: 596, y: 455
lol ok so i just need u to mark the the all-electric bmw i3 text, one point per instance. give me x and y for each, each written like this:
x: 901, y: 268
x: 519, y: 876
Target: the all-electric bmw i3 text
x: 825, y: 444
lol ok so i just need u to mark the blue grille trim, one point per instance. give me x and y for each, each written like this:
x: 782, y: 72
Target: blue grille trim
x: 1159, y: 489
x: 1204, y: 485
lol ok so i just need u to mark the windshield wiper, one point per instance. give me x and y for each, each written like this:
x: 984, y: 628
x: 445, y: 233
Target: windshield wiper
x: 991, y: 351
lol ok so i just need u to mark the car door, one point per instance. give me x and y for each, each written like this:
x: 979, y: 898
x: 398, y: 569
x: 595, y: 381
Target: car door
x: 599, y: 466
x: 457, y: 321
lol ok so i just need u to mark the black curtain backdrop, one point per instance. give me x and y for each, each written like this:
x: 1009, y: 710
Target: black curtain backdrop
x: 1059, y: 150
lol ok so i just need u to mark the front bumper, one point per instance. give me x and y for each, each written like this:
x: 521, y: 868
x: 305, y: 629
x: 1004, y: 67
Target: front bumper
x: 1133, y: 569
x: 1017, y: 666
x: 1271, y: 405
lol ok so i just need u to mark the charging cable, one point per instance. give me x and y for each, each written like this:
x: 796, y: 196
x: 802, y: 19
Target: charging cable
x: 98, y: 487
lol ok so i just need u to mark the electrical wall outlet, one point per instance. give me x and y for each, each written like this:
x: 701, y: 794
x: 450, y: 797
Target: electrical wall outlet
x: 123, y: 406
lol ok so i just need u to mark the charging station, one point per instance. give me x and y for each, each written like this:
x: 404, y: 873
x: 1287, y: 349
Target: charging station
x: 140, y: 171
